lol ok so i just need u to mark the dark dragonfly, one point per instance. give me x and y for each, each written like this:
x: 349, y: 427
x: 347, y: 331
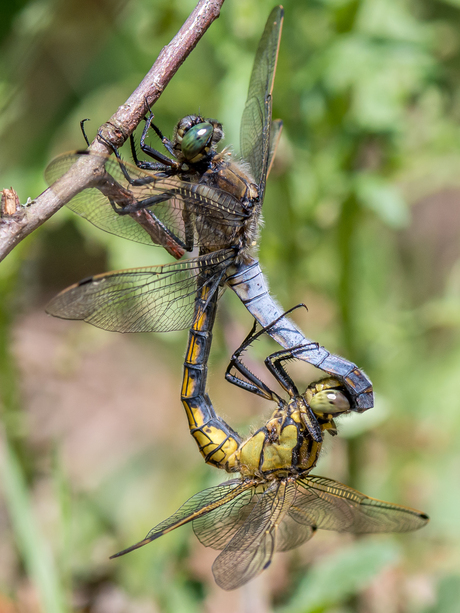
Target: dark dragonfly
x: 197, y: 197
x: 275, y: 504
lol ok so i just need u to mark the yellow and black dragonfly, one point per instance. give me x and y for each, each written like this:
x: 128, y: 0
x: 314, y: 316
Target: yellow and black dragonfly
x: 195, y: 197
x: 275, y: 504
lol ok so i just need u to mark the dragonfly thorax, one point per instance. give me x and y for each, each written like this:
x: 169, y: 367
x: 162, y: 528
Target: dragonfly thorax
x: 195, y: 138
x: 281, y: 447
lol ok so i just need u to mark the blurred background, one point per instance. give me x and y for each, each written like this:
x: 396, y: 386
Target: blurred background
x: 362, y: 223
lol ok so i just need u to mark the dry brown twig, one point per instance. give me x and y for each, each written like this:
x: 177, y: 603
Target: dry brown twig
x: 15, y: 227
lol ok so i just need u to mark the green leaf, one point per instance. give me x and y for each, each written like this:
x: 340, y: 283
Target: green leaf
x: 35, y: 551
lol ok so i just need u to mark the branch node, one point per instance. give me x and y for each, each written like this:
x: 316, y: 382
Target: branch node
x: 114, y: 133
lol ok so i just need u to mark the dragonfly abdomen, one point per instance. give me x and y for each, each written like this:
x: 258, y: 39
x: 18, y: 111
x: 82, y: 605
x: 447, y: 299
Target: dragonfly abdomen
x: 217, y: 442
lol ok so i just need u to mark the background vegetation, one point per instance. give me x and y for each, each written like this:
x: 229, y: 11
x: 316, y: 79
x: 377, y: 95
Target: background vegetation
x: 362, y: 223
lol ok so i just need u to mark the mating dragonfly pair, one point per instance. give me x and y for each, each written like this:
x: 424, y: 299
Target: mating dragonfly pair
x: 199, y: 197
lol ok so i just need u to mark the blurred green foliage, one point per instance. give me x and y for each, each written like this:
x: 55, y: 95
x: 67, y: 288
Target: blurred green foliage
x: 362, y: 223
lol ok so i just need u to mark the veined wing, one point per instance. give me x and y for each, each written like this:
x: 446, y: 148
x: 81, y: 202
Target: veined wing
x: 218, y: 527
x: 169, y: 208
x: 257, y: 114
x: 275, y: 134
x: 93, y: 204
x: 329, y: 505
x: 251, y: 549
x: 149, y: 299
x: 292, y: 534
x: 198, y: 505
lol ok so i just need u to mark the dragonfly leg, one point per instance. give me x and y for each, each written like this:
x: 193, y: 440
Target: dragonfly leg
x: 152, y: 166
x: 275, y: 367
x: 167, y: 144
x: 83, y: 131
x: 163, y: 163
x: 136, y: 182
x: 253, y: 383
x: 274, y: 362
x: 127, y: 209
x: 144, y: 205
x: 277, y: 370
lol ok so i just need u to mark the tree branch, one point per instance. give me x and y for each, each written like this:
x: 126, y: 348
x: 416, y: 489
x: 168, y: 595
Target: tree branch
x: 15, y: 227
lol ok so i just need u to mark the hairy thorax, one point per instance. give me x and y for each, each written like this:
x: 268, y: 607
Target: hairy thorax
x: 234, y: 178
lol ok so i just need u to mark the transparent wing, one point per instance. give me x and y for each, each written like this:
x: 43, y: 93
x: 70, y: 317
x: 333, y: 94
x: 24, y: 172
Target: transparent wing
x: 256, y: 119
x: 275, y: 134
x: 175, y: 214
x: 292, y: 534
x: 196, y: 506
x: 150, y: 299
x: 218, y: 527
x: 329, y: 505
x: 251, y: 549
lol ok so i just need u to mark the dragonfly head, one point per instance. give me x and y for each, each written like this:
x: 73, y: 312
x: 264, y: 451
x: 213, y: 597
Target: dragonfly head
x: 326, y: 398
x: 196, y: 138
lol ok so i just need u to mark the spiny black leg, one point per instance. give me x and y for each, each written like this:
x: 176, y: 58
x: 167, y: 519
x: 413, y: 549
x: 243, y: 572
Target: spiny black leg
x: 136, y: 182
x: 310, y: 422
x: 132, y: 144
x: 277, y: 371
x: 252, y: 336
x: 82, y: 128
x: 156, y: 155
x: 127, y: 209
x: 147, y: 202
x: 274, y: 363
x: 275, y: 321
x: 152, y: 166
x: 167, y: 144
x: 143, y: 204
x: 253, y: 383
x: 280, y: 374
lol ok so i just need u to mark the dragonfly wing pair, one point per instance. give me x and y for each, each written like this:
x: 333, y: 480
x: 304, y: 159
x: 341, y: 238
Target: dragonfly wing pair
x: 250, y: 520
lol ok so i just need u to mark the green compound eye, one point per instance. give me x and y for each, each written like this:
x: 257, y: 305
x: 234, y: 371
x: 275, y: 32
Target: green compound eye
x: 196, y: 139
x: 329, y: 402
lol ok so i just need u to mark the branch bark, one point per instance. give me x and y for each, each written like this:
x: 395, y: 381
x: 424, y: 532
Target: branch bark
x: 14, y: 228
